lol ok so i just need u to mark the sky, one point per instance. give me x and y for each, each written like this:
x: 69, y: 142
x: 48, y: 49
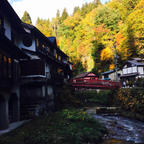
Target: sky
x: 45, y: 8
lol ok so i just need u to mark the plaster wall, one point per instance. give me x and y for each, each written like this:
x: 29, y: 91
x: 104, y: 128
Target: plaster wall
x: 7, y: 27
x: 141, y: 70
x: 20, y: 44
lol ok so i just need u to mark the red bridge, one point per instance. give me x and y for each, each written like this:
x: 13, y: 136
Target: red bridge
x: 90, y: 80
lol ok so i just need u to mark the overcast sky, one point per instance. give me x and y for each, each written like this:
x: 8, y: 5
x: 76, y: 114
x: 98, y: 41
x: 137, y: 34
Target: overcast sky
x: 45, y: 8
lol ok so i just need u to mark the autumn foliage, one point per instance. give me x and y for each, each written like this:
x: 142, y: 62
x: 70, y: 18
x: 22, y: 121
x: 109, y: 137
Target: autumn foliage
x: 131, y: 99
x: 87, y: 36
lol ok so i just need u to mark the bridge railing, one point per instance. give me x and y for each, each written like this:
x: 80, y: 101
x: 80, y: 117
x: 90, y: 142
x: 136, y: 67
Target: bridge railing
x: 95, y: 83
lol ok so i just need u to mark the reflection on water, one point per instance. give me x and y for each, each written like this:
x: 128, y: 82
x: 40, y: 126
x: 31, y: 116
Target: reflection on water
x: 121, y: 128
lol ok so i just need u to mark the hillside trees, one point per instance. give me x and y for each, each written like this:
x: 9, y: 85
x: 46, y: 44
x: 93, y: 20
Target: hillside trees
x: 88, y: 35
x: 44, y: 26
x: 136, y: 28
x: 64, y: 15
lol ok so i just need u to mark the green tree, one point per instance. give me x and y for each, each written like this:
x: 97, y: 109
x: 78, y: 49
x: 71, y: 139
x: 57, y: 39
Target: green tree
x: 88, y: 35
x: 76, y: 9
x: 135, y: 30
x: 44, y: 26
x: 55, y: 23
x: 130, y: 5
x: 97, y: 2
x: 108, y: 16
x: 58, y: 14
x: 26, y: 18
x: 64, y: 15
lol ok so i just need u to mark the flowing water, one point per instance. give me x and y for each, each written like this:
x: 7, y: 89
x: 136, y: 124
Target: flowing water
x: 122, y: 130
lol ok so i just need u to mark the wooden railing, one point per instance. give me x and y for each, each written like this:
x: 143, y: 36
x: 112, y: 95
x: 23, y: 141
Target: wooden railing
x: 95, y: 83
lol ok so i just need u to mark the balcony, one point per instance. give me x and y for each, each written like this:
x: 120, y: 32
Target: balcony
x: 129, y: 70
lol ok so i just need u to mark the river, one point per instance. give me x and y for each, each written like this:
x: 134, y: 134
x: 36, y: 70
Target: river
x: 122, y: 130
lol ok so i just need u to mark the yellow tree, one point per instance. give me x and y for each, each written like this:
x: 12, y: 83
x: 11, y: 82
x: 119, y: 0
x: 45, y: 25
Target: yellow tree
x: 44, y: 26
x: 136, y: 26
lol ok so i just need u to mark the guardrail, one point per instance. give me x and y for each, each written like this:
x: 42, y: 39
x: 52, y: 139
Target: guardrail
x: 95, y: 83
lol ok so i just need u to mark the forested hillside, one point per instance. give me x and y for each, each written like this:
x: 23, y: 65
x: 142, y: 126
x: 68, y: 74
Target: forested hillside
x: 87, y: 36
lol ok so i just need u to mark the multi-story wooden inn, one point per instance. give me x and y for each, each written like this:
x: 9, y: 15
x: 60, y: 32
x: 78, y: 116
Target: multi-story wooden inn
x: 32, y: 67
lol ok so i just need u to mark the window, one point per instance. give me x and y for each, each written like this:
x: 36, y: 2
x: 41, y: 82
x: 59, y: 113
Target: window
x: 1, y: 25
x: 1, y: 22
x: 9, y: 68
x: 37, y: 42
x: 43, y: 46
x: 140, y: 70
x: 9, y: 60
x: 60, y: 71
x: 5, y: 59
x: 5, y: 66
x: 56, y: 55
x: 60, y: 58
x: 27, y: 40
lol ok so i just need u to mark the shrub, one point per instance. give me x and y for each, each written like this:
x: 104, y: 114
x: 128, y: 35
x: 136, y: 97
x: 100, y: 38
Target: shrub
x: 131, y: 99
x: 92, y: 97
x: 139, y: 82
x: 64, y: 127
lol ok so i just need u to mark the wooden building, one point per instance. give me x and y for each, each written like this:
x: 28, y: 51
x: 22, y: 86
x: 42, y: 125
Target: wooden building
x: 46, y: 69
x: 111, y: 75
x: 85, y: 76
x: 32, y: 68
x: 10, y: 55
x: 132, y: 70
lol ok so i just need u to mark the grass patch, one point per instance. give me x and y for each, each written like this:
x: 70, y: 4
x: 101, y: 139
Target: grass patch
x: 64, y: 127
x: 93, y: 98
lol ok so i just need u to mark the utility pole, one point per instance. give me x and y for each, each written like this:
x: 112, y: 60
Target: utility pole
x: 115, y: 60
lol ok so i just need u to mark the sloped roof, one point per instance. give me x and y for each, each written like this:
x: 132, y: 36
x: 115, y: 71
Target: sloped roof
x: 83, y: 75
x: 135, y: 62
x: 36, y: 32
x: 8, y: 11
x: 110, y: 71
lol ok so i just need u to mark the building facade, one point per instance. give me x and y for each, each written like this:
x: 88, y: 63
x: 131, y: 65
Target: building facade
x: 32, y: 68
x: 10, y: 55
x: 111, y: 75
x: 132, y: 70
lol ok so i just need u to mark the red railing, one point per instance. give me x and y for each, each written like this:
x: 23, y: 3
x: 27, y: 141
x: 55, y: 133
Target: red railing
x: 95, y: 83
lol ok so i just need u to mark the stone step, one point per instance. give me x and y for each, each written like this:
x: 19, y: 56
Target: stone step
x: 102, y: 110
